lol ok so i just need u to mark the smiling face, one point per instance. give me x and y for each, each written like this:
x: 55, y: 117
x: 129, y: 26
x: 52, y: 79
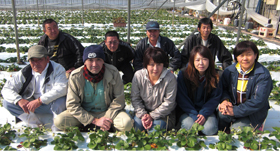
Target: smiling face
x: 112, y: 43
x: 200, y: 63
x: 94, y: 65
x: 51, y: 30
x: 246, y: 59
x: 205, y: 30
x: 39, y: 64
x: 153, y: 35
x: 154, y: 69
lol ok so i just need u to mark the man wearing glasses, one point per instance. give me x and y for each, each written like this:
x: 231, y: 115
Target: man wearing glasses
x: 119, y: 54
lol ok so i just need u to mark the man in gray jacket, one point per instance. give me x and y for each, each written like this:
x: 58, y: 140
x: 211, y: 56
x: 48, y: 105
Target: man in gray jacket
x: 95, y: 95
x: 39, y: 88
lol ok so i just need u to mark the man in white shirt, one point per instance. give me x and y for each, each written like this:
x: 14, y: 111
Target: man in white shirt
x: 39, y: 88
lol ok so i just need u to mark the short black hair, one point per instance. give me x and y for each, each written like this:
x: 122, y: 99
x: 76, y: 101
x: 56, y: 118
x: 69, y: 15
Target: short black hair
x: 111, y: 34
x: 157, y: 54
x: 48, y: 21
x: 206, y: 21
x: 244, y: 46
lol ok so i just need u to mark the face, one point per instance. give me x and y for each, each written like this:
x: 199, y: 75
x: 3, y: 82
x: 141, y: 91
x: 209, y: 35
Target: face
x: 94, y: 65
x: 39, y: 64
x: 51, y: 30
x: 153, y: 35
x: 112, y: 43
x: 246, y: 59
x: 154, y: 69
x: 200, y: 63
x: 205, y: 31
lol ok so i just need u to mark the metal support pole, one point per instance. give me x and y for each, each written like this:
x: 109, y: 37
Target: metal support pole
x: 173, y: 14
x: 240, y: 21
x: 213, y: 12
x: 128, y: 21
x: 38, y: 14
x: 154, y: 12
x: 217, y: 20
x: 16, y: 32
x: 247, y: 6
x: 83, y: 12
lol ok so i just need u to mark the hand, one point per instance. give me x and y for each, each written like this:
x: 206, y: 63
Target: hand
x: 70, y: 70
x: 224, y: 106
x: 172, y: 71
x: 104, y: 123
x: 23, y: 104
x: 201, y: 119
x: 33, y: 105
x: 147, y: 121
x: 229, y: 111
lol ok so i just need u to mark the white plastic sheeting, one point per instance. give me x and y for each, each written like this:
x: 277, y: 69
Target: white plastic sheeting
x: 259, y: 18
x: 210, y: 7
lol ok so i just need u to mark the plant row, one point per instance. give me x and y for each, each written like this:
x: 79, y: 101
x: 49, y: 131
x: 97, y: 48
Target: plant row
x: 137, y: 140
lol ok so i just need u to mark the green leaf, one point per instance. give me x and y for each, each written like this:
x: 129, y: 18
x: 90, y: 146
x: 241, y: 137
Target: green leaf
x: 212, y: 146
x: 147, y: 147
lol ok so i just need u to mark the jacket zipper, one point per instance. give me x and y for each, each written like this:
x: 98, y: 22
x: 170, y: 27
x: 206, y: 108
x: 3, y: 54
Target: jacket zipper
x: 256, y: 91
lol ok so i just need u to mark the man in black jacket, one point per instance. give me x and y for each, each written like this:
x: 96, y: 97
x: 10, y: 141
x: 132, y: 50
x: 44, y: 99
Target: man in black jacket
x: 63, y: 48
x: 206, y: 38
x: 153, y: 39
x: 119, y: 54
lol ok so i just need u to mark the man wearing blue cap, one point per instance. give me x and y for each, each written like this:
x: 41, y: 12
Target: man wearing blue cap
x: 95, y: 95
x: 154, y: 39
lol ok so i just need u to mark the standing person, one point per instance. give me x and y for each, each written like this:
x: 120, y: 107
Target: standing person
x: 119, y: 54
x: 198, y: 91
x: 38, y: 88
x: 154, y: 39
x: 211, y: 41
x: 95, y: 95
x: 153, y: 92
x: 246, y: 88
x: 62, y: 47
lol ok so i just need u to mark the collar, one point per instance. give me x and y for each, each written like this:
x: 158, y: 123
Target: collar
x: 162, y: 75
x: 158, y: 42
x: 43, y: 73
x: 238, y: 67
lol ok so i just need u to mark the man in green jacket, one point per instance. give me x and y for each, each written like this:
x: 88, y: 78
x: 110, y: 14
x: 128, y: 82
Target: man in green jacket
x: 95, y: 95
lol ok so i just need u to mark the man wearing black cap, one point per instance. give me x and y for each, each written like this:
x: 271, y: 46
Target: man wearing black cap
x: 95, y: 95
x: 154, y: 39
x: 38, y: 88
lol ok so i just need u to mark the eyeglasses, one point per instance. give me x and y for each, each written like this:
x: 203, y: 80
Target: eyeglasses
x: 112, y: 42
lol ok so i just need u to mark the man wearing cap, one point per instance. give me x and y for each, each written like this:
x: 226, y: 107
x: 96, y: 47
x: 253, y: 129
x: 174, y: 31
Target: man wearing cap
x: 95, y: 95
x: 62, y: 47
x: 119, y: 54
x: 38, y: 88
x: 154, y: 39
x: 211, y: 41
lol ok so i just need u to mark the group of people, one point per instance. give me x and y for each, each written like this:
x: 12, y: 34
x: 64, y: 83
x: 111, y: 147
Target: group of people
x: 83, y: 87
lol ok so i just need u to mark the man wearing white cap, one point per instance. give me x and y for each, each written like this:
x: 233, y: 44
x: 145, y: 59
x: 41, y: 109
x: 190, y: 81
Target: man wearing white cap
x: 95, y: 95
x: 38, y: 88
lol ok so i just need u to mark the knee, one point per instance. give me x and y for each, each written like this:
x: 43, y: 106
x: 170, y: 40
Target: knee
x: 186, y: 122
x: 210, y: 129
x: 123, y: 122
x: 59, y: 105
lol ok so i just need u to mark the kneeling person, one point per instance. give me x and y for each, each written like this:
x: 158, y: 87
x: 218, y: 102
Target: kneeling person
x: 95, y: 95
x: 39, y: 88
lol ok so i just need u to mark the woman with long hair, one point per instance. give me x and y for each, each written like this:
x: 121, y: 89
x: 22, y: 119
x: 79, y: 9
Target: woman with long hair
x: 153, y: 92
x: 198, y: 91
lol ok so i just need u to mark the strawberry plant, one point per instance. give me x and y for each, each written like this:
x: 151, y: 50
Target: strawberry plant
x: 276, y: 133
x: 12, y: 68
x: 8, y: 148
x: 225, y: 142
x: 189, y: 139
x: 101, y: 140
x: 68, y: 140
x: 32, y: 135
x: 6, y: 134
x: 253, y: 139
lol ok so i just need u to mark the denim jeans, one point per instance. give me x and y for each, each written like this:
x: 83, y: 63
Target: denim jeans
x: 227, y: 121
x: 55, y: 107
x: 210, y: 125
x: 138, y: 124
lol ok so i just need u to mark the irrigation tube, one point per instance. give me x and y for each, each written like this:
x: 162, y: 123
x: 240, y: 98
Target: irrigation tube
x: 213, y: 12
